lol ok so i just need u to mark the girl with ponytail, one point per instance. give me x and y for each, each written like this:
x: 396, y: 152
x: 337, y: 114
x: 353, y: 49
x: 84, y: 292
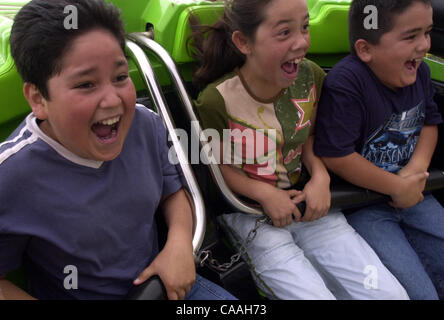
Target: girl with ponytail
x: 256, y: 83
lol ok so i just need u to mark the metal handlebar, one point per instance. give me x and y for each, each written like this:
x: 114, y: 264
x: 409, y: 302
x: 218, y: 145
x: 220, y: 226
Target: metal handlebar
x: 145, y: 42
x: 150, y: 79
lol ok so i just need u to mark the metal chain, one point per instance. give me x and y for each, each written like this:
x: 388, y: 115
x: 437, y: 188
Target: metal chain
x: 205, y: 256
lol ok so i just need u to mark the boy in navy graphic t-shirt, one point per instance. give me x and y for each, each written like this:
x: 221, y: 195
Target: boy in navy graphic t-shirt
x: 377, y: 128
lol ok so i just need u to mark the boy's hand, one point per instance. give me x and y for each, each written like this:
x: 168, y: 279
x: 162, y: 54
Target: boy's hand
x: 175, y: 267
x: 280, y: 205
x: 410, y: 190
x: 410, y: 169
x: 317, y: 198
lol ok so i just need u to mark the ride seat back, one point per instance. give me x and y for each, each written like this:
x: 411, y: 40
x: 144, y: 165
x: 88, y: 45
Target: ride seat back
x: 438, y: 27
x: 13, y: 107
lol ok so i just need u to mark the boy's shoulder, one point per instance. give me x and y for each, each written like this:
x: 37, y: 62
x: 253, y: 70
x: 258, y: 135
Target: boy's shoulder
x: 351, y: 68
x: 143, y: 113
x: 146, y: 121
x: 353, y: 72
x: 20, y: 158
x: 147, y: 129
x: 20, y: 143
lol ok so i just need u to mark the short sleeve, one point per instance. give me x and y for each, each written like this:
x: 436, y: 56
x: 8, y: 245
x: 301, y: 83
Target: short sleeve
x: 432, y: 114
x: 340, y: 117
x: 319, y: 76
x: 210, y: 106
x: 171, y: 173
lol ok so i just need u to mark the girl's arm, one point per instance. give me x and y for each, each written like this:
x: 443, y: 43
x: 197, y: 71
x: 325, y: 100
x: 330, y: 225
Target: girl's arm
x: 279, y: 205
x: 317, y: 189
x: 175, y: 263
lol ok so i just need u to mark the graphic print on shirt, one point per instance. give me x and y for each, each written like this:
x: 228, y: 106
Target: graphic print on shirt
x: 255, y: 149
x: 391, y: 146
x: 294, y: 115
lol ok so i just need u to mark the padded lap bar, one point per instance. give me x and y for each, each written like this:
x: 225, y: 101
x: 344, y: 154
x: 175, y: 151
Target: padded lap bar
x: 346, y: 196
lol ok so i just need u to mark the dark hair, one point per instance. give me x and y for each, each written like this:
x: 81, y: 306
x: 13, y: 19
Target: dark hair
x: 387, y: 12
x: 39, y: 38
x: 212, y: 45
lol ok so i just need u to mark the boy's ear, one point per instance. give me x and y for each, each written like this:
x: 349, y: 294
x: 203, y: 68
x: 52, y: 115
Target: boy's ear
x: 241, y: 42
x: 35, y: 100
x: 363, y: 50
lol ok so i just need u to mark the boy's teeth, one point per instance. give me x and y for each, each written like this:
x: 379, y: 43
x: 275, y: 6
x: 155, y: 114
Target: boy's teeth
x: 297, y: 60
x: 110, y: 122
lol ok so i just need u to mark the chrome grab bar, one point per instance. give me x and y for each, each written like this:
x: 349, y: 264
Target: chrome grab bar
x: 196, y: 131
x: 150, y: 79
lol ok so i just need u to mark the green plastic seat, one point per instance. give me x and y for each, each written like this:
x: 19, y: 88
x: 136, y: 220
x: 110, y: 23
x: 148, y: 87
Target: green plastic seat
x: 328, y: 26
x: 13, y: 107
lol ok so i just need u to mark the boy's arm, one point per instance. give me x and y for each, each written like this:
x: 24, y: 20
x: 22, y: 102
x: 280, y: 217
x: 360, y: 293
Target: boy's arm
x: 404, y: 191
x: 422, y: 156
x: 175, y: 263
x: 9, y: 291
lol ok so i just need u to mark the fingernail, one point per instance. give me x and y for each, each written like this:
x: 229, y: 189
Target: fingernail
x: 137, y: 281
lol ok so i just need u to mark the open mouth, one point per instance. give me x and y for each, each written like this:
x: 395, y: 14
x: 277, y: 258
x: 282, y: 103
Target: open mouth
x: 413, y: 64
x: 291, y: 68
x: 107, y: 130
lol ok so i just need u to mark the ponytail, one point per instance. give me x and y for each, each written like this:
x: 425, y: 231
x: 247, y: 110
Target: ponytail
x: 212, y: 45
x: 214, y: 51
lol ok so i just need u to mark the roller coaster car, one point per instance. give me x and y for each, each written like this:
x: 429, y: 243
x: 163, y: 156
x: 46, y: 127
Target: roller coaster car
x: 161, y: 69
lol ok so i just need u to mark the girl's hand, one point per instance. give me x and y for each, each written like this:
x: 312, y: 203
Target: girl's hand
x: 175, y: 267
x: 280, y: 205
x: 317, y: 198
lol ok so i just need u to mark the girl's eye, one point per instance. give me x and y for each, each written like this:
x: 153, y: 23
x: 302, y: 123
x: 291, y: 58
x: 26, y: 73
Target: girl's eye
x: 306, y: 27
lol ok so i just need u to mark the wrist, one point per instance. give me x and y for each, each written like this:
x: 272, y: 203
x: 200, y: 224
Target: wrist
x: 321, y: 177
x: 261, y: 192
x: 398, y: 189
x: 180, y: 235
x: 417, y: 166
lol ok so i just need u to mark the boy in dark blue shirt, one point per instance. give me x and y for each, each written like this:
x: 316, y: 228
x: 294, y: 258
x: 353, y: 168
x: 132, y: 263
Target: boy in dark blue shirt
x: 377, y: 128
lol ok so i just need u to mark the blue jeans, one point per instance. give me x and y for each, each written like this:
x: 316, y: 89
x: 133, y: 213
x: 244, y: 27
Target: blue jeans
x: 409, y: 242
x: 204, y: 289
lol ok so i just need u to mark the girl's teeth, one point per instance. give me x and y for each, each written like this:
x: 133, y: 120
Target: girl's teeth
x: 297, y: 60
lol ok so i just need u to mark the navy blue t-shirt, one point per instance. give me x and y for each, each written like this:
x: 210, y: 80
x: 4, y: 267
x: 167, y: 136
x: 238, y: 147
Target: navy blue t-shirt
x: 59, y: 211
x: 357, y: 113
